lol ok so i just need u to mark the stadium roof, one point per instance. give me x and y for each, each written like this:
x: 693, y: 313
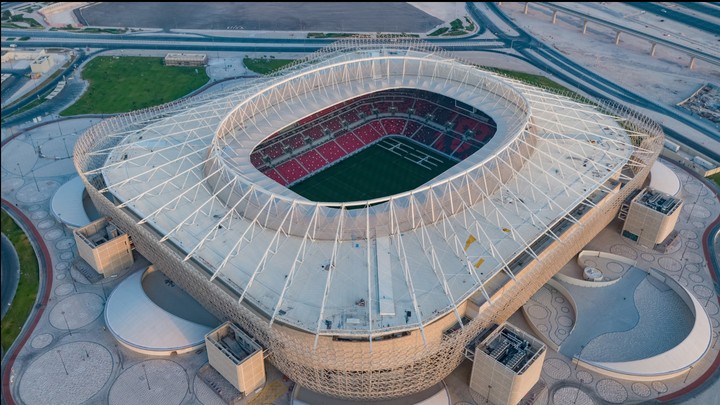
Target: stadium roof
x: 395, y: 263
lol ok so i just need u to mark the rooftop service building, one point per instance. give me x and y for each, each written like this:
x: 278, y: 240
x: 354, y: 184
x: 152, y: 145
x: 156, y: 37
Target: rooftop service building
x: 651, y: 217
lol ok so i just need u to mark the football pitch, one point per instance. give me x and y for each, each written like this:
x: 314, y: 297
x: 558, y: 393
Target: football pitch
x: 390, y: 166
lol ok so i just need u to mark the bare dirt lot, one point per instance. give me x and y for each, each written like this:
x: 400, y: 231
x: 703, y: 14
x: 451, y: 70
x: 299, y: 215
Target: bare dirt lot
x: 326, y: 17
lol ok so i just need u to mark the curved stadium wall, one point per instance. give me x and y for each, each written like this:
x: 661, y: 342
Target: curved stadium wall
x: 467, y: 248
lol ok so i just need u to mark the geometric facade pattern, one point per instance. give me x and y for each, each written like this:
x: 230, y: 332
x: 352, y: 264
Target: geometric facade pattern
x: 378, y: 298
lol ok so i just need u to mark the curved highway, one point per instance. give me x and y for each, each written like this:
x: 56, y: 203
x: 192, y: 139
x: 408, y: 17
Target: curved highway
x: 552, y: 61
x: 533, y: 51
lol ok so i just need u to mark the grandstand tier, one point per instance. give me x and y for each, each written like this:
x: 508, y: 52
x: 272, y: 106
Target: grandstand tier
x: 450, y: 127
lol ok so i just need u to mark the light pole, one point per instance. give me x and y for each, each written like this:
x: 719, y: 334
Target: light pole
x: 66, y: 322
x: 32, y: 172
x: 67, y: 153
x: 147, y: 380
x: 62, y: 361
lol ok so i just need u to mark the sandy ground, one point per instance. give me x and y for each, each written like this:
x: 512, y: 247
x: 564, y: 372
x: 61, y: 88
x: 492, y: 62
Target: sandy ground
x: 63, y: 18
x: 443, y: 11
x: 302, y: 16
x: 664, y: 77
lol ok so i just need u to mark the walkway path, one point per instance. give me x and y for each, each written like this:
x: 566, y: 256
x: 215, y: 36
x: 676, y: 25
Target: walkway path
x: 45, y: 267
x: 620, y: 316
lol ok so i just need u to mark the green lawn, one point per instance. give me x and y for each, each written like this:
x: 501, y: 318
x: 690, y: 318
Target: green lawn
x: 438, y: 31
x: 265, y: 65
x: 716, y: 178
x: 27, y: 285
x: 537, y: 80
x: 371, y: 173
x: 122, y: 84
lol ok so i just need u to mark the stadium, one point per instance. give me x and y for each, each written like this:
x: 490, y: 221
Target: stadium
x: 367, y: 212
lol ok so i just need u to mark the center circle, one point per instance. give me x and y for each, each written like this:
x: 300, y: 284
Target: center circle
x: 68, y: 374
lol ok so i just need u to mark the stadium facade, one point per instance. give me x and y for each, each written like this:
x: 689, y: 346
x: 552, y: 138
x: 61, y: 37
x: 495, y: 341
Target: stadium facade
x: 376, y: 298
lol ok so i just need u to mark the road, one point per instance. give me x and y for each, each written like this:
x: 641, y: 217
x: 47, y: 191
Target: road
x: 9, y: 273
x: 531, y: 50
x: 676, y: 15
x: 562, y: 67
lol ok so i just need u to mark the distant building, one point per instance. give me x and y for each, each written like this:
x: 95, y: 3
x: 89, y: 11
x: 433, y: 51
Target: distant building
x: 104, y: 246
x: 651, y: 217
x: 186, y: 59
x: 236, y: 357
x: 506, y: 365
x: 41, y: 65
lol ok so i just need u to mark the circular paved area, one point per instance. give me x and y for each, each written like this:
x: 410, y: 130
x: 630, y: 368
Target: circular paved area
x: 711, y: 308
x: 641, y: 390
x: 38, y: 215
x: 77, y: 276
x: 615, y: 267
x: 698, y: 211
x: 584, y: 377
x: 571, y: 396
x: 156, y: 382
x: 611, y: 391
x: 556, y: 369
x: 41, y: 341
x: 64, y: 289
x: 669, y: 264
x: 65, y: 244
x: 31, y: 193
x: 18, y: 158
x: 702, y: 291
x: 205, y: 394
x: 79, y: 310
x: 694, y: 187
x: 53, y: 234
x: 46, y: 224
x: 647, y: 257
x: 536, y: 311
x: 11, y: 184
x: 693, y: 257
x: 660, y: 387
x: 58, y: 148
x: 87, y: 367
x: 624, y: 250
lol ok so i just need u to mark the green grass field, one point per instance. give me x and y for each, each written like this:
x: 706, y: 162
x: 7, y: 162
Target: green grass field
x: 265, y: 65
x: 122, y: 84
x: 716, y: 178
x: 371, y: 173
x: 27, y: 285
